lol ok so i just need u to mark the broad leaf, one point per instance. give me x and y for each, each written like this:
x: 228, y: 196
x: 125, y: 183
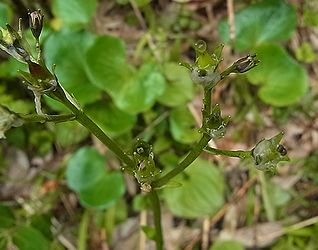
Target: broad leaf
x: 67, y: 50
x: 283, y: 81
x: 140, y: 93
x: 182, y: 125
x: 179, y: 88
x: 28, y: 238
x: 107, y: 64
x: 109, y: 118
x: 268, y: 21
x: 201, y: 193
x: 85, y: 169
x: 105, y: 192
x: 74, y: 12
x: 69, y: 133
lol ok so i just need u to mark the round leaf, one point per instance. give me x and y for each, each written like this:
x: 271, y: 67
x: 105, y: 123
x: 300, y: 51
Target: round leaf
x: 107, y: 64
x: 179, y: 87
x: 67, y: 50
x: 268, y: 21
x: 140, y: 93
x: 109, y: 118
x: 85, y: 169
x: 74, y: 12
x: 28, y: 238
x: 105, y: 192
x: 201, y: 193
x: 283, y: 80
x: 182, y: 125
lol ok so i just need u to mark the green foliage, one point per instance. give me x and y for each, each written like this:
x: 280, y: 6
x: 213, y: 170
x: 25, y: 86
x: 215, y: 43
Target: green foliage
x: 132, y: 90
x: 227, y: 245
x: 201, y: 193
x: 268, y: 21
x: 5, y: 14
x: 69, y: 133
x: 179, y: 89
x: 6, y: 217
x: 28, y: 238
x: 111, y: 119
x: 305, y: 53
x: 74, y: 13
x: 66, y: 49
x: 283, y: 81
x: 182, y: 125
x: 86, y: 174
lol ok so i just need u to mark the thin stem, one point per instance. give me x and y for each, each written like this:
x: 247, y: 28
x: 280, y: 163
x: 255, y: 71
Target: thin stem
x: 227, y: 71
x: 193, y: 154
x: 155, y: 203
x: 206, y: 111
x: 83, y: 119
x: 47, y: 118
x: 237, y: 153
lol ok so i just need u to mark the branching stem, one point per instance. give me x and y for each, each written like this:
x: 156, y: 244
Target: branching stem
x: 238, y: 153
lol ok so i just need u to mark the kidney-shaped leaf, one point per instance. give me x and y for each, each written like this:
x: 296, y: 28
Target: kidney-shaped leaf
x: 270, y: 20
x: 105, y: 192
x: 85, y: 169
x: 110, y: 118
x: 182, y: 125
x: 283, y: 80
x: 67, y: 49
x: 201, y: 193
x: 179, y: 87
x: 74, y: 12
x: 140, y: 93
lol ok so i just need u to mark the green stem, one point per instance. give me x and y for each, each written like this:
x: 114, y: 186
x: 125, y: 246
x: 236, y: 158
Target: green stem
x: 227, y: 71
x: 82, y: 235
x: 155, y: 203
x: 238, y: 153
x: 83, y: 119
x: 193, y: 154
x: 47, y: 118
x: 206, y: 111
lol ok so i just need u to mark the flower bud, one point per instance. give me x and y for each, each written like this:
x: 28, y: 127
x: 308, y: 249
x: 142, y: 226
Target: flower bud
x: 268, y: 153
x: 145, y: 169
x: 215, y: 125
x: 245, y: 64
x: 36, y: 23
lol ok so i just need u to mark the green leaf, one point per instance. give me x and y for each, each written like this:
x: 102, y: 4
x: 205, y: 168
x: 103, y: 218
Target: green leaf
x: 109, y: 118
x: 283, y: 81
x: 85, y: 169
x: 67, y: 50
x: 179, y: 88
x: 201, y: 193
x: 6, y: 217
x: 268, y: 21
x: 182, y: 125
x: 140, y: 93
x: 69, y: 133
x: 227, y: 245
x: 105, y: 192
x: 5, y: 14
x: 150, y: 232
x: 305, y: 53
x: 28, y: 238
x: 107, y: 64
x: 76, y: 13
